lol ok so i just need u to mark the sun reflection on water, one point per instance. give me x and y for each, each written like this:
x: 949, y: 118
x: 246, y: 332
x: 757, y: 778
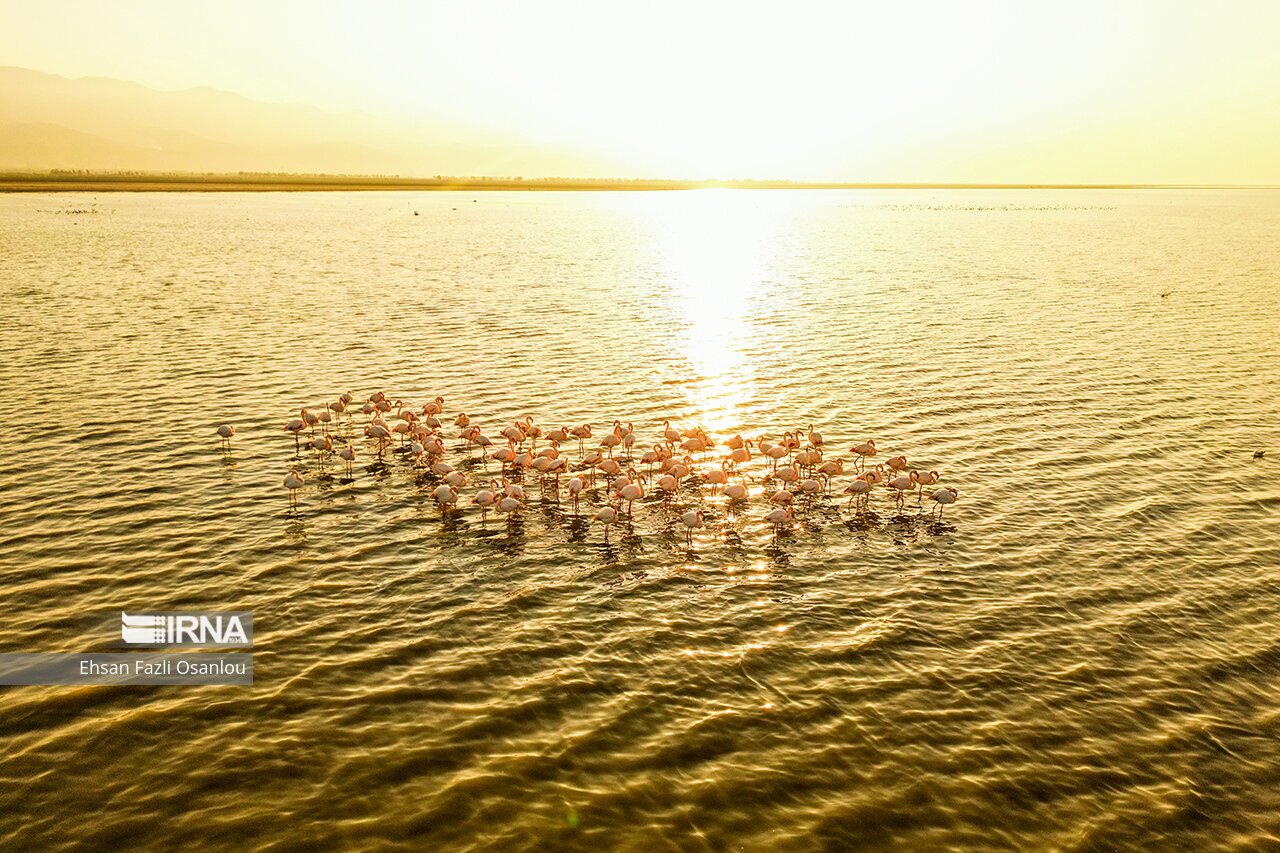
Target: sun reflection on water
x: 715, y: 255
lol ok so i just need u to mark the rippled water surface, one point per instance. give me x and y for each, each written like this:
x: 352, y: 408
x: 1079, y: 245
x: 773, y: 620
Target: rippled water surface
x: 1082, y: 654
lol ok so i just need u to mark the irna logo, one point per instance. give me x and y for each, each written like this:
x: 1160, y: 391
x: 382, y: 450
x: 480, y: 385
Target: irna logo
x: 187, y: 628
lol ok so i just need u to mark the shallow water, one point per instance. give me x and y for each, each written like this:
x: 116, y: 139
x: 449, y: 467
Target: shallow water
x: 1081, y: 655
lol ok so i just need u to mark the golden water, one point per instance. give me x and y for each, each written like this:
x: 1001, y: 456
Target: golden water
x: 1084, y: 655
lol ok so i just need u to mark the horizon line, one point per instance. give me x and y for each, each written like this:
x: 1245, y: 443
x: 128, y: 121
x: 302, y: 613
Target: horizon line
x: 68, y: 180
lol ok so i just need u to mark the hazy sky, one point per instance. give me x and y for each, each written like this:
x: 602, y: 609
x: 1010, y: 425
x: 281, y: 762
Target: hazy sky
x: 1119, y: 90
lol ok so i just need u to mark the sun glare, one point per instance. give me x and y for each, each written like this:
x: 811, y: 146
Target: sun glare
x: 714, y: 251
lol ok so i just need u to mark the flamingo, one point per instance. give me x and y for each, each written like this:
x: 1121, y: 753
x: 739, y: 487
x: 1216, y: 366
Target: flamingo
x: 867, y: 448
x: 582, y: 433
x: 652, y: 456
x: 815, y: 437
x: 696, y: 444
x: 808, y: 458
x: 321, y: 445
x: 929, y: 479
x: 379, y: 433
x: 225, y: 432
x: 776, y: 452
x: 859, y: 488
x: 293, y: 481
x: 348, y: 454
x: 606, y: 516
x: 718, y: 477
x: 829, y: 469
x: 736, y: 492
x: 610, y: 441
x: 444, y: 495
x: 296, y: 426
x: 510, y: 505
x: 691, y: 520
x: 778, y: 517
x: 898, y: 464
x: 486, y: 498
x: 782, y: 497
x: 942, y: 497
x: 630, y: 493
x: 504, y: 455
x: 533, y: 431
x: 741, y: 454
x: 787, y: 475
x: 904, y: 483
x: 576, y: 487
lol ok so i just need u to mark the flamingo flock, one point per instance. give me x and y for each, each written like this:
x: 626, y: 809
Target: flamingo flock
x: 611, y: 471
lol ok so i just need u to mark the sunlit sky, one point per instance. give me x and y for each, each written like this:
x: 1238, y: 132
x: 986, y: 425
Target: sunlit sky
x: 1119, y: 90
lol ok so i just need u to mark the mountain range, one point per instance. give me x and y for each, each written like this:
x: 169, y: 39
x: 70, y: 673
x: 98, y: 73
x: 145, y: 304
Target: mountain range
x: 102, y: 124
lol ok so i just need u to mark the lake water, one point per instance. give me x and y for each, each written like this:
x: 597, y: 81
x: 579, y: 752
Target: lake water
x: 1083, y: 654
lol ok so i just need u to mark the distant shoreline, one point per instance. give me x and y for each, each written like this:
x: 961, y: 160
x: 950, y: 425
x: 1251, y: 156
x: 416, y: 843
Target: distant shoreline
x: 18, y: 182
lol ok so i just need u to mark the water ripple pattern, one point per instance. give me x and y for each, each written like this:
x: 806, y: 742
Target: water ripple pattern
x: 1083, y: 657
